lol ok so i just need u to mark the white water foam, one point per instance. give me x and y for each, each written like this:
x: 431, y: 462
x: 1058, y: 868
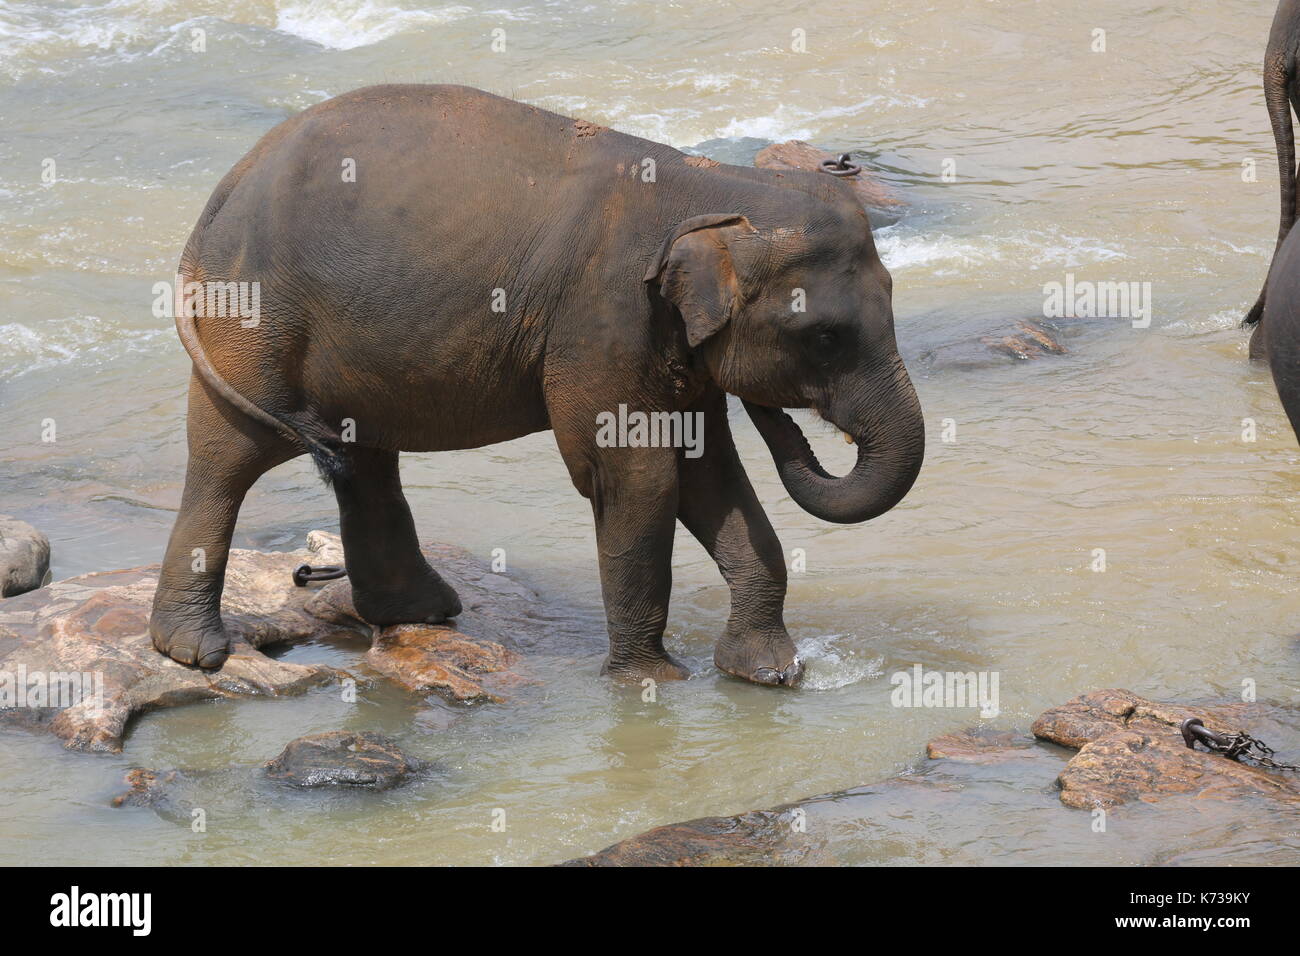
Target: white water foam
x: 901, y: 248
x: 348, y: 24
x: 829, y: 663
x: 79, y: 339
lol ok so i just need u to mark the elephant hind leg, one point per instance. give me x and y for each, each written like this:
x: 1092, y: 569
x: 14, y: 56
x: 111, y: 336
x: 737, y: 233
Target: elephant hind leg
x: 228, y: 452
x: 392, y: 583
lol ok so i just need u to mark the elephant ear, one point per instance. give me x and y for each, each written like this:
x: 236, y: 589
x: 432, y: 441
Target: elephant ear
x: 696, y: 272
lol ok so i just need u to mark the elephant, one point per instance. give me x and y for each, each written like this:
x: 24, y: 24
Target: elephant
x: 1279, y: 332
x: 441, y: 268
x: 1281, y: 94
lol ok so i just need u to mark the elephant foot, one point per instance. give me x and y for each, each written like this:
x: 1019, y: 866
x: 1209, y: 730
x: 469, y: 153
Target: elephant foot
x: 762, y: 658
x: 190, y: 641
x: 432, y: 601
x: 661, y: 669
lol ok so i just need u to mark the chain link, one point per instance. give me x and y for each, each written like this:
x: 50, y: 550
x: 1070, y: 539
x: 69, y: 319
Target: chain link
x: 1233, y: 746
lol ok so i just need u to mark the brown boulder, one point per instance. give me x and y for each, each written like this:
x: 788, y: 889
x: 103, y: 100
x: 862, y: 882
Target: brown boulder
x: 1131, y: 748
x: 796, y: 154
x: 341, y: 758
x: 424, y: 658
x: 24, y: 557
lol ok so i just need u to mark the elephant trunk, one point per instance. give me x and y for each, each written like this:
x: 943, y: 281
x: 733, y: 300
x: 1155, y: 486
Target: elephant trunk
x: 884, y: 418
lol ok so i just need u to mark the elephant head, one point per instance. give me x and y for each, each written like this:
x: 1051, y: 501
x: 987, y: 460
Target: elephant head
x: 798, y: 315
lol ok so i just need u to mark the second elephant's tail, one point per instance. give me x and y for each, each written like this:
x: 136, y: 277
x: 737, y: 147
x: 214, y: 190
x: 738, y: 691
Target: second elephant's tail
x: 1279, y: 79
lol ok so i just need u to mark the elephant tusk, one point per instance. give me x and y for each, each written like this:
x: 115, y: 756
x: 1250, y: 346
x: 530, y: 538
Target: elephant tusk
x: 848, y: 439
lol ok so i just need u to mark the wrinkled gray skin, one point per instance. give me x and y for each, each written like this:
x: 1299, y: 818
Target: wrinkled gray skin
x: 1280, y: 331
x: 1281, y: 95
x: 661, y: 293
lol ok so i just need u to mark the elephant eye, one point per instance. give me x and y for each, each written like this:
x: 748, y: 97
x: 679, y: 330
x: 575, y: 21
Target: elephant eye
x: 827, y: 339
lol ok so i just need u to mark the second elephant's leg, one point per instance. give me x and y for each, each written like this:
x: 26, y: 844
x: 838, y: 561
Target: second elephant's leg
x: 718, y: 506
x: 392, y: 583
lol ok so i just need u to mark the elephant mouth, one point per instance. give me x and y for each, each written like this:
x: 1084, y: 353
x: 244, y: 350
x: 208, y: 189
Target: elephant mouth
x: 780, y: 430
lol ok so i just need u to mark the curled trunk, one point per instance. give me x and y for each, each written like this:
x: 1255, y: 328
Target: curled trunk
x: 886, y: 423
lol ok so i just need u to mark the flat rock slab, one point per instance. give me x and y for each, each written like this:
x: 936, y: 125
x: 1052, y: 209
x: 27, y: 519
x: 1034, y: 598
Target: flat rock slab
x: 980, y: 745
x: 85, y: 640
x: 760, y: 837
x: 24, y: 557
x: 1130, y: 748
x: 341, y: 758
x: 425, y: 658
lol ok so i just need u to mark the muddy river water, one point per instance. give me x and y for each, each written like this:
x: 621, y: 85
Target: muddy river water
x: 1025, y: 155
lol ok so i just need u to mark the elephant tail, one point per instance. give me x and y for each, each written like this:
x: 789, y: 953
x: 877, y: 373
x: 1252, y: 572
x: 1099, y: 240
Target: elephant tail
x: 1279, y: 77
x: 317, y: 440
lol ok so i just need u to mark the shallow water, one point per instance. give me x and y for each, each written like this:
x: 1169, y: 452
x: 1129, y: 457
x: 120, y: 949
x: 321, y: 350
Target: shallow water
x: 1116, y: 166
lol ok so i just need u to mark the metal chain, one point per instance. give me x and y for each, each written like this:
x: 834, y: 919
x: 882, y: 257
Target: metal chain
x: 305, y: 572
x: 1233, y: 746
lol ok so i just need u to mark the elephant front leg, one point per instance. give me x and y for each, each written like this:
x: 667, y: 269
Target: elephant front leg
x: 718, y: 506
x: 634, y: 499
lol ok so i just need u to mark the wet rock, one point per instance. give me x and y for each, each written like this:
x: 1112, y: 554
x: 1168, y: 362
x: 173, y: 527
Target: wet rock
x: 1131, y: 748
x: 155, y: 789
x: 757, y: 837
x: 424, y: 658
x: 94, y: 630
x: 1026, y: 340
x: 91, y: 633
x: 342, y: 759
x: 1029, y: 340
x: 796, y: 154
x: 24, y: 557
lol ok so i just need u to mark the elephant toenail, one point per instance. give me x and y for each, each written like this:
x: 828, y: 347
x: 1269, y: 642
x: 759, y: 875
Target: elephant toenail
x: 212, y: 660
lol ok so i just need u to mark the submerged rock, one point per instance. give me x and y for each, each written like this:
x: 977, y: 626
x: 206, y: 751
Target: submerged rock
x: 155, y: 789
x: 755, y: 838
x: 24, y: 557
x: 1130, y: 749
x: 1026, y: 340
x: 76, y: 658
x: 1029, y: 340
x: 979, y: 745
x: 342, y: 759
